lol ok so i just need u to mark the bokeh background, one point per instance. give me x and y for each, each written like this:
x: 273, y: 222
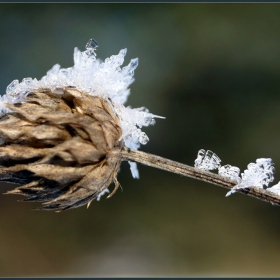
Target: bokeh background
x: 213, y: 70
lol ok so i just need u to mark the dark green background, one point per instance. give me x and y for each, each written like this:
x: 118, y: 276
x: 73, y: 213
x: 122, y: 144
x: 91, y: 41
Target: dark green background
x: 213, y: 71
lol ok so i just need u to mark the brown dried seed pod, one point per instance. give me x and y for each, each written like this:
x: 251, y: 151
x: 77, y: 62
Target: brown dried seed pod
x: 64, y: 149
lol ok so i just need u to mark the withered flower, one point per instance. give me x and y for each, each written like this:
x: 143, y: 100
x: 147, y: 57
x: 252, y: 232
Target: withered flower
x: 62, y: 136
x: 64, y: 148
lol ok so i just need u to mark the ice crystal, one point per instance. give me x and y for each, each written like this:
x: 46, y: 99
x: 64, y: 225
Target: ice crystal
x: 258, y: 174
x: 231, y: 172
x: 105, y: 79
x: 102, y: 193
x: 133, y: 169
x: 207, y: 160
x: 275, y: 189
x: 132, y: 120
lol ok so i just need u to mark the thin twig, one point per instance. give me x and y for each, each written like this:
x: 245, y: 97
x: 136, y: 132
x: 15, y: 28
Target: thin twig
x: 192, y: 172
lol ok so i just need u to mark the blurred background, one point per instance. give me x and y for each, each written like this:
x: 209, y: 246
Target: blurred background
x: 213, y: 71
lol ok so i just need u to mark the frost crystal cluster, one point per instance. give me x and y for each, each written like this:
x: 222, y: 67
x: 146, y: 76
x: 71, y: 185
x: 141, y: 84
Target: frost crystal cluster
x: 231, y: 172
x: 275, y: 189
x: 207, y: 160
x: 90, y: 75
x: 259, y: 174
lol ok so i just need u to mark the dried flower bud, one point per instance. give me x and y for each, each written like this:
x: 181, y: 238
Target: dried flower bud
x: 62, y: 136
x: 63, y: 148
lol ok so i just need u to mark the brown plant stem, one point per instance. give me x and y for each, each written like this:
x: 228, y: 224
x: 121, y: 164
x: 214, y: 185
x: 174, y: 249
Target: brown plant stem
x: 192, y: 172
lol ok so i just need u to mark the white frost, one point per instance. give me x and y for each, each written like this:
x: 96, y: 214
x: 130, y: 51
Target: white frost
x: 275, y: 189
x: 231, y: 172
x: 258, y: 174
x: 102, y: 193
x: 207, y: 160
x: 133, y: 169
x: 105, y: 79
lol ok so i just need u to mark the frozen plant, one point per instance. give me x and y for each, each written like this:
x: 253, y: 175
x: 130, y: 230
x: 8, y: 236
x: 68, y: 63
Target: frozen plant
x: 90, y: 75
x: 63, y: 137
x: 258, y: 174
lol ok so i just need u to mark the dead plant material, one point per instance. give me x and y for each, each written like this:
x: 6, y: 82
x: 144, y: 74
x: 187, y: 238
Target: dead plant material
x: 63, y: 148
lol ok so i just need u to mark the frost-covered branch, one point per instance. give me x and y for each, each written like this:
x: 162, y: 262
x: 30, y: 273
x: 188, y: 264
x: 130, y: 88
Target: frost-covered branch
x: 199, y: 174
x: 63, y: 137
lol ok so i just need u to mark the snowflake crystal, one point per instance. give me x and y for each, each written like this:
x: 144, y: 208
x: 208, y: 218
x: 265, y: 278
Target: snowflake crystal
x: 231, y: 172
x: 102, y: 193
x: 90, y: 75
x: 258, y: 174
x: 207, y: 160
x: 133, y: 169
x: 275, y: 189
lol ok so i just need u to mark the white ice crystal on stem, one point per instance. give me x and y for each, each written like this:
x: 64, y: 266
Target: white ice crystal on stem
x: 231, y: 172
x: 90, y: 75
x: 207, y: 160
x: 275, y: 189
x: 258, y: 174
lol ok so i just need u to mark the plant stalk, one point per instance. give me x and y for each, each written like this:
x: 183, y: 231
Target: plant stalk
x: 196, y: 173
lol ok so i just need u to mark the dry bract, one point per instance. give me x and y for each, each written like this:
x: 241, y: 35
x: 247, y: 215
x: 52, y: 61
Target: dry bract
x: 63, y: 148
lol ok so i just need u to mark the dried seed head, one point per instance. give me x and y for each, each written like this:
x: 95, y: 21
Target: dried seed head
x: 63, y: 148
x: 64, y: 143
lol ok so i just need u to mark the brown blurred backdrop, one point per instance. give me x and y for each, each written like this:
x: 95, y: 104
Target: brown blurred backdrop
x: 213, y: 71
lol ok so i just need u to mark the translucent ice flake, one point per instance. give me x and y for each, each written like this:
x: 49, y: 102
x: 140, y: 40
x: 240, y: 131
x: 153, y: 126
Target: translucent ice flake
x: 129, y: 69
x: 231, y: 172
x: 134, y: 169
x: 12, y: 87
x: 275, y: 189
x: 54, y: 70
x: 115, y: 61
x: 27, y: 82
x: 102, y: 193
x: 90, y: 47
x: 258, y: 174
x: 131, y: 121
x: 207, y: 160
